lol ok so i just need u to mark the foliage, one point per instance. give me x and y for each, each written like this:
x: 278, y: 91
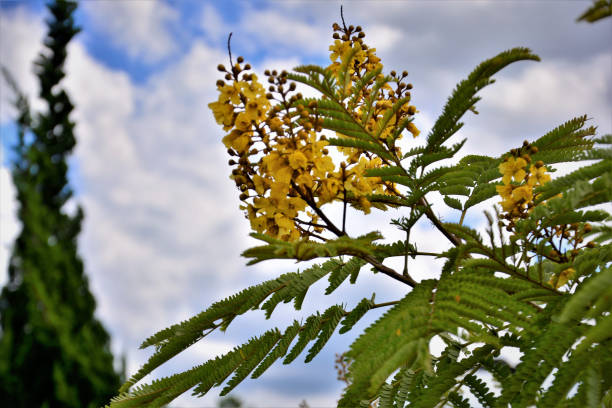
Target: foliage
x: 599, y: 9
x: 538, y: 281
x: 53, y: 351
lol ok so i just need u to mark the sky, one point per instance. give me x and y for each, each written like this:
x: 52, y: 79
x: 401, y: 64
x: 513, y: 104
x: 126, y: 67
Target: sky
x: 163, y: 232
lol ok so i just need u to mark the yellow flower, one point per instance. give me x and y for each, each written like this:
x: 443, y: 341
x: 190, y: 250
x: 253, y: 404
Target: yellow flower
x: 338, y: 48
x: 524, y: 193
x: 297, y: 160
x: 504, y: 191
x: 513, y: 168
x: 237, y: 140
x: 276, y: 125
x: 538, y: 175
x: 229, y: 93
x: 413, y: 129
x: 224, y: 114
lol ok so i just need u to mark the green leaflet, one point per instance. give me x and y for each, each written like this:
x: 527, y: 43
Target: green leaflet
x: 339, y: 274
x: 354, y: 315
x: 304, y: 250
x: 463, y: 97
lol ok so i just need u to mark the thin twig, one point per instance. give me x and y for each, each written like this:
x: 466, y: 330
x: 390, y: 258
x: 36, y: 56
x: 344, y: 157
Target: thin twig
x: 229, y: 50
x: 342, y: 17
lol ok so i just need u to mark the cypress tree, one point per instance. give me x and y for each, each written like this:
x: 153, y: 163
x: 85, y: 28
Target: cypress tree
x: 53, y: 351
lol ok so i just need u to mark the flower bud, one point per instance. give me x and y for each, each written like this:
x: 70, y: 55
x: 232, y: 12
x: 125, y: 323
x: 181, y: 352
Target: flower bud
x: 240, y: 60
x: 247, y: 66
x: 336, y: 36
x: 533, y: 149
x: 591, y: 244
x: 221, y: 67
x: 587, y: 227
x: 220, y: 83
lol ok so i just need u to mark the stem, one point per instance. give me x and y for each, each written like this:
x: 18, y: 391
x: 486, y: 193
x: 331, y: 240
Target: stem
x: 389, y: 271
x: 343, y: 200
x: 462, y: 217
x: 374, y: 306
x: 310, y: 201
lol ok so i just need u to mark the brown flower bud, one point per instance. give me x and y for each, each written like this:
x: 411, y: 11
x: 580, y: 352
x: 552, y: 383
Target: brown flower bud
x: 247, y: 66
x: 240, y: 60
x: 591, y: 244
x: 539, y: 164
x: 220, y: 83
x: 393, y: 73
x: 221, y: 67
x: 587, y: 227
x: 533, y: 149
x: 336, y: 36
x: 411, y: 110
x: 292, y: 86
x: 228, y: 77
x: 231, y: 162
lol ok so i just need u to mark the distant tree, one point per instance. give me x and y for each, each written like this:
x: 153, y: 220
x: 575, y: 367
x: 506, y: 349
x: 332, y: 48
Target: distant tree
x: 53, y: 351
x: 231, y: 401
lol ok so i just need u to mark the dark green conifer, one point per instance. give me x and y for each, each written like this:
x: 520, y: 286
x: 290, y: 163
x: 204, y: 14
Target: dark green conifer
x: 53, y: 351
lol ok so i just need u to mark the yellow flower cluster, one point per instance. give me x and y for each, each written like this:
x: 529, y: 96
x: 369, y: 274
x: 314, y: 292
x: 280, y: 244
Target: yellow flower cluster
x: 519, y: 178
x: 283, y: 168
x: 348, y: 45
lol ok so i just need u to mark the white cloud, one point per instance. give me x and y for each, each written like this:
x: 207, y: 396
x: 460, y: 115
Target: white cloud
x: 9, y: 225
x: 212, y: 23
x: 21, y: 35
x: 141, y: 28
x: 558, y: 91
x: 277, y: 32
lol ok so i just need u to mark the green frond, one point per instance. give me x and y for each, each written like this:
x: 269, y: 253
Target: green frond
x: 587, y: 294
x: 382, y: 123
x: 368, y: 110
x: 309, y: 332
x: 354, y: 315
x: 344, y: 76
x: 463, y: 97
x: 599, y: 9
x: 453, y: 203
x: 385, y: 171
x: 562, y: 184
x: 356, y: 143
x: 393, y: 340
x: 364, y: 81
x: 293, y: 286
x: 257, y: 354
x: 279, y: 350
x: 203, y: 377
x: 329, y: 321
x: 480, y: 390
x: 339, y: 274
x: 304, y: 250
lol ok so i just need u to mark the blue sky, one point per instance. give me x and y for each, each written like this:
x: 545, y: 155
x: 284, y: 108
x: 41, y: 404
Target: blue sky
x: 163, y: 231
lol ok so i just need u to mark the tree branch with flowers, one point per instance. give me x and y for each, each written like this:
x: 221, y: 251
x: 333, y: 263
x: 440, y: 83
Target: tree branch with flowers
x: 540, y: 280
